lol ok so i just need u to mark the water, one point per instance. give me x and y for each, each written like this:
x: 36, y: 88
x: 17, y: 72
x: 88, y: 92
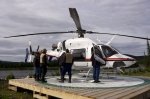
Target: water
x: 19, y: 73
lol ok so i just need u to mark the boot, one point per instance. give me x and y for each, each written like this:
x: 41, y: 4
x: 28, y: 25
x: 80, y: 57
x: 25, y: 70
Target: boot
x: 34, y: 76
x: 62, y: 79
x: 69, y: 79
x: 43, y: 79
x: 38, y: 78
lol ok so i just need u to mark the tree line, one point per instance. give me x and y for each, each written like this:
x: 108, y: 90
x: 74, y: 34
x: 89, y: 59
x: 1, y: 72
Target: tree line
x: 146, y: 60
x: 23, y: 65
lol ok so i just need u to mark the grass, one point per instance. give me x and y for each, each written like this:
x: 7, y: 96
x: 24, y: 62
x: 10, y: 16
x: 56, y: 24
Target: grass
x: 146, y: 74
x: 5, y: 93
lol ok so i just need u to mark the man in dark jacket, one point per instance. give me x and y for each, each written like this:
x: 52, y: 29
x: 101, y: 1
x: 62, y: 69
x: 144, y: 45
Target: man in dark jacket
x: 96, y: 64
x: 61, y: 62
x: 68, y: 62
x: 36, y: 63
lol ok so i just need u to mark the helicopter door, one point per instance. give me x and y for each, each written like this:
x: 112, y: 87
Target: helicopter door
x: 79, y: 54
x: 80, y: 58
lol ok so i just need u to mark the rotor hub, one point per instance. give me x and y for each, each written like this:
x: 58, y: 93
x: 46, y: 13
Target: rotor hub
x: 81, y: 33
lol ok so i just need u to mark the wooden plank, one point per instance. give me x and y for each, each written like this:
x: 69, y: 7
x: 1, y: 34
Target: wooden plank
x: 87, y: 92
x: 52, y: 92
x: 106, y: 92
x: 138, y: 92
x: 63, y: 94
x: 120, y: 94
x: 75, y: 90
x: 14, y: 88
x: 38, y: 96
x: 110, y: 93
x: 91, y: 92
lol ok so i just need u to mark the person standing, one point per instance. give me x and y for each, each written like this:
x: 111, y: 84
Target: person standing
x: 68, y: 62
x: 36, y: 63
x: 43, y: 64
x: 97, y: 61
x: 61, y: 62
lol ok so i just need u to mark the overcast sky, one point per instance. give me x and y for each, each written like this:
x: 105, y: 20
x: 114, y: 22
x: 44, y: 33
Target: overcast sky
x: 129, y: 17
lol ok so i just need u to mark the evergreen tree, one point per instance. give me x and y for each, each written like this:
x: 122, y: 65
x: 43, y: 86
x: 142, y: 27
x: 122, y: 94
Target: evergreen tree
x: 148, y: 48
x: 148, y: 54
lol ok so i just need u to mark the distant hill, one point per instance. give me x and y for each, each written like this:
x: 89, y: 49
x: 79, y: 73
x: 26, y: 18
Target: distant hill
x: 1, y: 61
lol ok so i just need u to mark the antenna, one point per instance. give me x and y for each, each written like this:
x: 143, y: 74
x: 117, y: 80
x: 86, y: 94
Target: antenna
x: 111, y: 40
x: 98, y: 39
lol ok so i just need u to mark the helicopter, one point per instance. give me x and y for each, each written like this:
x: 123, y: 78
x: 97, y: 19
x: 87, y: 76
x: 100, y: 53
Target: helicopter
x: 81, y: 47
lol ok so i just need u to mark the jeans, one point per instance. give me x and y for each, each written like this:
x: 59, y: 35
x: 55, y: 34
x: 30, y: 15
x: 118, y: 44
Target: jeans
x: 61, y: 70
x: 67, y: 68
x: 43, y: 72
x: 37, y: 74
x: 96, y: 72
x: 37, y: 70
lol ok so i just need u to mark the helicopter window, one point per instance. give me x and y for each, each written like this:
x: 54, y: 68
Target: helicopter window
x: 108, y: 51
x: 58, y: 50
x: 79, y: 54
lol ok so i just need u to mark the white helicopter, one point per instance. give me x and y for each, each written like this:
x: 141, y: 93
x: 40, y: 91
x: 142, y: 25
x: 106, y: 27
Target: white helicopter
x: 81, y: 47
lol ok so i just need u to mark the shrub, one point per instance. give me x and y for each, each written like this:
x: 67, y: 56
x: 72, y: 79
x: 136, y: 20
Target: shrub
x: 10, y: 76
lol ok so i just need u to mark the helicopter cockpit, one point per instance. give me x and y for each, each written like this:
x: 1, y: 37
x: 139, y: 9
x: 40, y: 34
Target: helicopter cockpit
x: 108, y: 51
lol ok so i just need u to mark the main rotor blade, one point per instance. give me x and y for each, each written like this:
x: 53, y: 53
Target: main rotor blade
x: 38, y: 34
x: 75, y: 17
x: 90, y: 32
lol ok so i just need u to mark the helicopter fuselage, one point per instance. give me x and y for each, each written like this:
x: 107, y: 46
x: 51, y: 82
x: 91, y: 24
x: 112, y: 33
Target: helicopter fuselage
x: 81, y: 50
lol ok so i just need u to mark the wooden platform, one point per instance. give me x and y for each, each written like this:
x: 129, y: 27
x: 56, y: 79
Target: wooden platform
x: 44, y: 91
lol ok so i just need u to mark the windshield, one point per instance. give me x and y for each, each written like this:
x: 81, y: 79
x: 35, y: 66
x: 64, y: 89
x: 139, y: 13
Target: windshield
x: 108, y: 51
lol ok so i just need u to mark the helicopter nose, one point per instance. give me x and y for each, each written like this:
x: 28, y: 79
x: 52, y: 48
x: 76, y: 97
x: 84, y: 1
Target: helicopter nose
x: 129, y: 63
x: 126, y: 60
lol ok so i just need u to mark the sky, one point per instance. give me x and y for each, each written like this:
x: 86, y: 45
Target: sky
x: 128, y: 17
